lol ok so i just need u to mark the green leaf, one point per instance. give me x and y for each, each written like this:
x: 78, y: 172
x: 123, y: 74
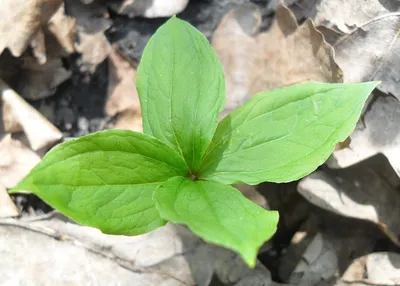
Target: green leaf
x: 284, y: 134
x: 181, y: 86
x: 106, y: 180
x: 220, y: 214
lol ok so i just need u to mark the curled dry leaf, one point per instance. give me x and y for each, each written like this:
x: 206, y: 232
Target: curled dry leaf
x: 7, y: 206
x: 361, y: 191
x: 379, y: 268
x: 36, y: 81
x: 123, y: 99
x: 150, y: 9
x: 284, y: 55
x: 63, y: 28
x: 16, y: 161
x: 379, y: 132
x: 18, y: 115
x: 21, y: 20
x: 251, y: 193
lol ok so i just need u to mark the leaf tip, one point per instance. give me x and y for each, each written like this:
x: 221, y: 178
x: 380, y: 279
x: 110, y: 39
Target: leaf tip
x: 22, y: 187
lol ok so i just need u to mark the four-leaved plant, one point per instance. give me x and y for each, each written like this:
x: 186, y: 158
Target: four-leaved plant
x: 181, y: 168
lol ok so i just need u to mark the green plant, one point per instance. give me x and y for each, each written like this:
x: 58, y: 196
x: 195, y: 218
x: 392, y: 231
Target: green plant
x: 181, y: 168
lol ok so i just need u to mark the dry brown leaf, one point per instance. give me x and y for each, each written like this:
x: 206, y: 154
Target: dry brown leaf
x: 284, y: 55
x: 341, y: 15
x: 122, y: 94
x: 323, y: 246
x: 7, y: 206
x: 63, y: 28
x: 369, y: 48
x: 129, y: 119
x: 15, y: 162
x: 94, y: 48
x: 361, y: 191
x: 379, y: 132
x: 39, y: 46
x: 36, y: 81
x: 123, y: 98
x: 21, y: 20
x: 150, y: 9
x: 18, y: 115
x: 372, y: 52
x: 91, y: 18
x: 379, y: 268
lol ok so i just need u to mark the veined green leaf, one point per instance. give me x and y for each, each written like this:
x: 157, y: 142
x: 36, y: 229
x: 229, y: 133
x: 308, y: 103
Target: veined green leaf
x: 106, y: 180
x: 181, y: 87
x: 219, y: 214
x: 284, y: 134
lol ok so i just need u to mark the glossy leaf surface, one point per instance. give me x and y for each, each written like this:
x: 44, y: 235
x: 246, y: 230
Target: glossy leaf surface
x: 106, y: 180
x: 284, y: 134
x: 219, y: 214
x: 182, y: 89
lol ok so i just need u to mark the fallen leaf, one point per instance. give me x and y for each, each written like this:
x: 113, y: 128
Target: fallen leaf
x: 94, y: 48
x: 91, y: 18
x: 379, y: 268
x: 149, y: 9
x: 361, y: 191
x: 39, y: 47
x: 122, y: 94
x: 63, y: 28
x: 18, y: 116
x: 7, y: 206
x: 367, y: 47
x: 378, y: 132
x: 123, y: 99
x: 21, y: 20
x: 16, y: 161
x: 322, y: 247
x: 170, y: 255
x: 129, y: 119
x: 284, y: 55
x: 251, y: 193
x: 36, y: 81
x: 343, y: 16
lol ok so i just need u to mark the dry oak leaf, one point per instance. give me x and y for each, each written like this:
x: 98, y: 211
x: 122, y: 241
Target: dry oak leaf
x: 21, y: 20
x: 284, y: 55
x: 18, y: 116
x: 366, y: 191
x: 15, y: 162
